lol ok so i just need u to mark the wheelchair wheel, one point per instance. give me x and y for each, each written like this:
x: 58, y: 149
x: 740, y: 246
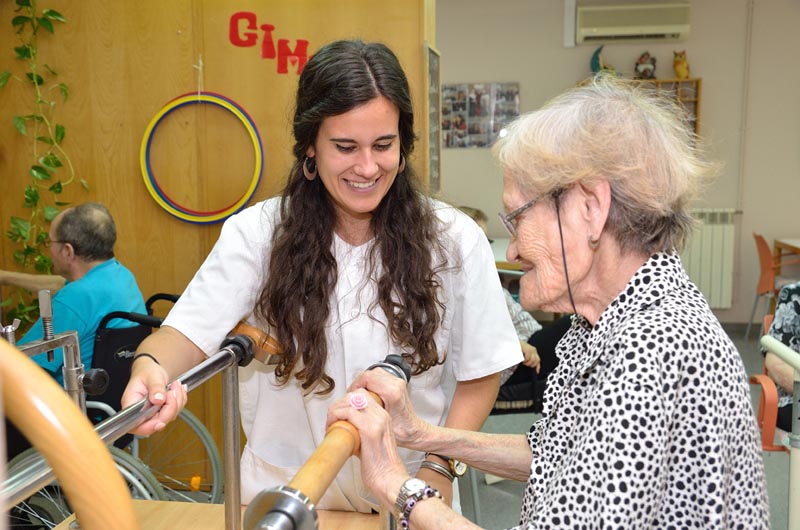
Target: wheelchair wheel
x: 43, y: 510
x: 185, y: 460
x: 48, y: 507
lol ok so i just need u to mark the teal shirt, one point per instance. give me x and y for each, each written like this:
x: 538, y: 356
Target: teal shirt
x: 80, y: 305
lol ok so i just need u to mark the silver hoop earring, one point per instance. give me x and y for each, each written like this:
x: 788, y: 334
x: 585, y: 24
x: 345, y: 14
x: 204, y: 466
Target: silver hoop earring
x: 310, y: 168
x: 594, y: 243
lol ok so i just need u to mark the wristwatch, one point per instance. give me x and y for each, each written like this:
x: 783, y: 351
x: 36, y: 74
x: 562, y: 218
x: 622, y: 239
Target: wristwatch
x: 411, y: 488
x: 457, y: 467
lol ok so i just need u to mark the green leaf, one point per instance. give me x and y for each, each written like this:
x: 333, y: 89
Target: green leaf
x: 45, y: 139
x: 31, y: 196
x: 47, y: 67
x: 41, y: 238
x: 23, y: 52
x: 20, y: 226
x: 52, y: 14
x: 64, y: 89
x: 37, y: 80
x: 39, y: 173
x: 4, y: 77
x: 60, y: 133
x: 42, y: 263
x: 84, y: 184
x: 61, y: 203
x: 46, y: 23
x: 19, y: 124
x: 19, y: 257
x: 50, y: 212
x: 50, y: 160
x: 20, y: 20
x: 55, y: 188
x: 24, y: 3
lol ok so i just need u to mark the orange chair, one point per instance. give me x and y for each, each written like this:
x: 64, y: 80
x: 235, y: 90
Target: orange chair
x: 768, y: 282
x: 767, y: 415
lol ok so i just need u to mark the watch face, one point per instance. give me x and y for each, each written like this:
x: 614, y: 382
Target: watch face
x: 459, y: 467
x: 414, y: 485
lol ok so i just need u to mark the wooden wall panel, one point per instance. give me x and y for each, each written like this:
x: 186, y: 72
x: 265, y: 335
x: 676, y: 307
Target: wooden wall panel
x: 124, y: 61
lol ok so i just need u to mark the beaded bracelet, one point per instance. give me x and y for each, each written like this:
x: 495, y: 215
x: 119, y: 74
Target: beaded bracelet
x: 149, y: 356
x: 412, y: 501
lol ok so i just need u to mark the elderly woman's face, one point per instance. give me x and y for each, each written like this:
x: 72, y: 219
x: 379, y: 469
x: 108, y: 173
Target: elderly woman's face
x: 537, y: 247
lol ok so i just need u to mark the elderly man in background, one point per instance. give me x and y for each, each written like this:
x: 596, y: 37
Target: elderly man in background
x: 90, y: 284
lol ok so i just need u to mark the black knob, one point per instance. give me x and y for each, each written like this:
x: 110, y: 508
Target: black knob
x: 401, y: 363
x: 242, y: 348
x: 395, y: 365
x: 95, y: 381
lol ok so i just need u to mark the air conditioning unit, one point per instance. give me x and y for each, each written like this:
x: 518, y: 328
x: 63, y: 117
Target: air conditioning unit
x: 632, y: 22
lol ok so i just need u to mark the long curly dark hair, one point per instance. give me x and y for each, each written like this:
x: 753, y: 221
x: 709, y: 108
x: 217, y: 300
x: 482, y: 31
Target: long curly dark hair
x: 296, y: 297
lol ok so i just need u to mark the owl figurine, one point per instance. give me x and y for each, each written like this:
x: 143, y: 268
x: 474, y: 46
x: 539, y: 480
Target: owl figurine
x: 680, y: 64
x: 645, y: 66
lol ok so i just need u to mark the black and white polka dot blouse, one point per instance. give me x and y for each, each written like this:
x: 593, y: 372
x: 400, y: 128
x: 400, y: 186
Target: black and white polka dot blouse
x: 648, y: 422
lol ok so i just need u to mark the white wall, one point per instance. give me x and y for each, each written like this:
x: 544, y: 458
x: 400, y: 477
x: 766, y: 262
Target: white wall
x: 521, y: 40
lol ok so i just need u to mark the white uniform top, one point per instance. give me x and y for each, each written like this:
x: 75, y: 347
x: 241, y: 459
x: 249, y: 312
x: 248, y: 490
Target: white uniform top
x: 283, y: 424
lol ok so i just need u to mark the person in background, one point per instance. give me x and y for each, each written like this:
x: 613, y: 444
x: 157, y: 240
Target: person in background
x: 648, y: 421
x: 351, y: 263
x: 786, y: 328
x: 90, y: 283
x: 522, y: 386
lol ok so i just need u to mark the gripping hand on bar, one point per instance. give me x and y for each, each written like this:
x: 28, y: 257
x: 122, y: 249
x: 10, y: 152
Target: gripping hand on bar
x: 292, y: 507
x: 174, y: 355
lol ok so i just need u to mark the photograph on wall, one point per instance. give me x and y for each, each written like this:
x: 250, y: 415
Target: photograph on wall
x: 434, y: 116
x: 474, y: 113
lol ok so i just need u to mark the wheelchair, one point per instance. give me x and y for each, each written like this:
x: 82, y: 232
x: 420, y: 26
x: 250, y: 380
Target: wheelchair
x: 179, y: 463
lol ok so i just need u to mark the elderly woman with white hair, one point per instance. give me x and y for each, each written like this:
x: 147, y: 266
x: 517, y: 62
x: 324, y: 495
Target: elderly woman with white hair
x: 647, y: 420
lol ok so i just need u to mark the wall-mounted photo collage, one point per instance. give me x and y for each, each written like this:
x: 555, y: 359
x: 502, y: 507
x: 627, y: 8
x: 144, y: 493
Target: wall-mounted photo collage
x: 474, y: 113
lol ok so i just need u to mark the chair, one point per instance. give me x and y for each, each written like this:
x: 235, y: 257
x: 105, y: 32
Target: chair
x: 767, y: 415
x: 113, y: 352
x: 768, y: 282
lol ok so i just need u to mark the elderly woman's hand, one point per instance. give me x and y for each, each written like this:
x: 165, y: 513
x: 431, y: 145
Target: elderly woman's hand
x: 392, y: 390
x: 382, y: 469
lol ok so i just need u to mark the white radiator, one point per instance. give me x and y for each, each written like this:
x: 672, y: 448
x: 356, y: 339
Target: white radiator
x: 708, y: 256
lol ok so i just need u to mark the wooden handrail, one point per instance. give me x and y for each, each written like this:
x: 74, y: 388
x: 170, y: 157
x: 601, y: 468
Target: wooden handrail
x: 58, y: 429
x: 265, y: 345
x: 340, y: 443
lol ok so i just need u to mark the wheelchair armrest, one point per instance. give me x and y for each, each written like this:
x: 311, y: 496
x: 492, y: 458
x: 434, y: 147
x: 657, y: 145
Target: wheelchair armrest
x: 160, y: 296
x: 138, y: 318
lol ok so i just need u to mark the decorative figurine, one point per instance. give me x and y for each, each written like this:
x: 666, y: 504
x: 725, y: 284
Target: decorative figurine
x: 680, y: 64
x: 598, y: 65
x: 645, y: 67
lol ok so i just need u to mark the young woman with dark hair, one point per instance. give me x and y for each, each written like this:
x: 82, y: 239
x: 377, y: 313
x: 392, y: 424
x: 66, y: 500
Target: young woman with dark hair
x: 351, y: 263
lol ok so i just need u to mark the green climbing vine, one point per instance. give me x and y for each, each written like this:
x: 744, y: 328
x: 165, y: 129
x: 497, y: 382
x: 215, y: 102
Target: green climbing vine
x: 51, y: 169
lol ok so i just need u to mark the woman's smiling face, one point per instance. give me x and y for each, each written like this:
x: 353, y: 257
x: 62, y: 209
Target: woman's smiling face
x: 358, y: 157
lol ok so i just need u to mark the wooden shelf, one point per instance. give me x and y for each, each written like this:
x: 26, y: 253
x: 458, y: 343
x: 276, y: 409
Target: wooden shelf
x: 687, y: 92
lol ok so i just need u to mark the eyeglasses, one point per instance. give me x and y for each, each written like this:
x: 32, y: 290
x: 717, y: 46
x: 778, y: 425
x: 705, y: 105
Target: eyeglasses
x: 508, y: 219
x: 48, y: 242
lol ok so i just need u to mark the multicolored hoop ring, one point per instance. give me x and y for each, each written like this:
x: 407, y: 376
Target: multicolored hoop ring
x: 158, y: 194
